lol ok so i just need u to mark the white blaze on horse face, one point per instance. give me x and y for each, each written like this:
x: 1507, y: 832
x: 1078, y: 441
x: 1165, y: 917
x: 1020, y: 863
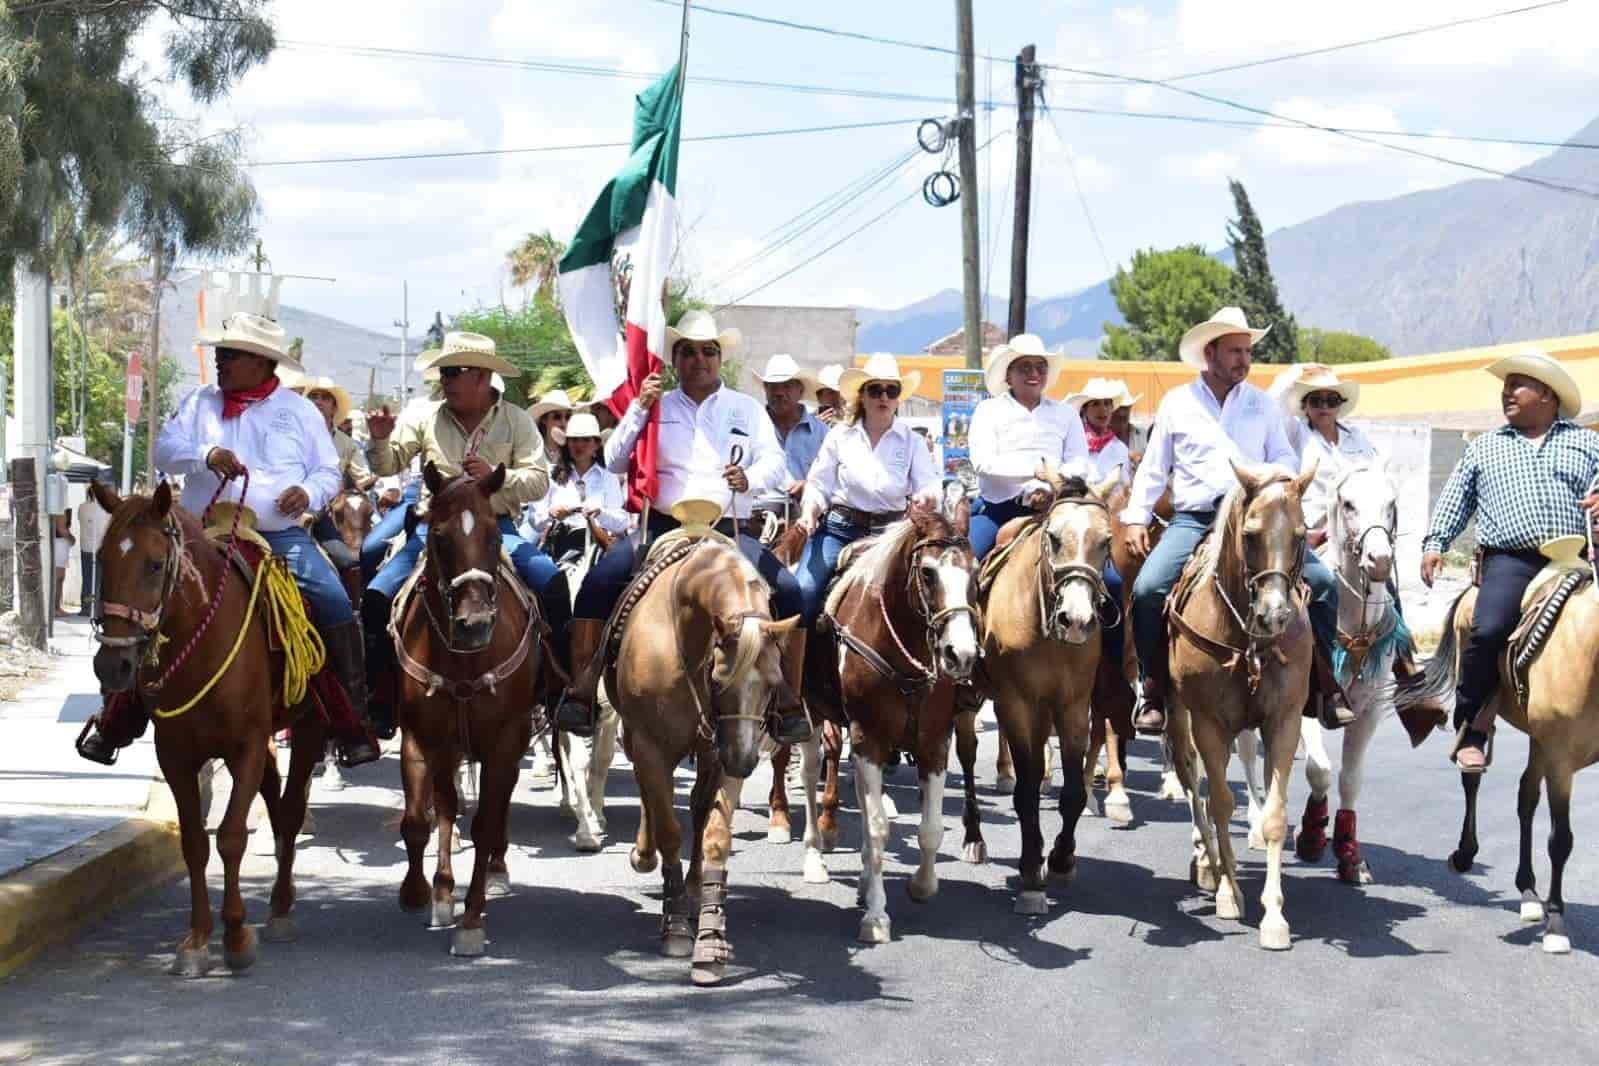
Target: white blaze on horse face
x: 958, y: 647
x: 126, y: 545
x: 468, y: 522
x: 1076, y: 607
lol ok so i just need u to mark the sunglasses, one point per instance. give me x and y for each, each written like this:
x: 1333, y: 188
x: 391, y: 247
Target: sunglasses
x: 1035, y: 368
x: 1324, y: 399
x: 228, y: 355
x: 875, y: 391
x: 449, y: 373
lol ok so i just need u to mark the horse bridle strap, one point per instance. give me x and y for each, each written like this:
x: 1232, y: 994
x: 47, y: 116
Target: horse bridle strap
x: 463, y: 690
x: 1230, y: 657
x: 908, y: 684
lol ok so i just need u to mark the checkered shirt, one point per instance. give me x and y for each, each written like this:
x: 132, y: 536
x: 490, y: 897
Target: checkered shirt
x: 1523, y: 493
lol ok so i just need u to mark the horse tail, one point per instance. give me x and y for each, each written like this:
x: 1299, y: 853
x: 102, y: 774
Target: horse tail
x: 749, y: 646
x: 1436, y: 681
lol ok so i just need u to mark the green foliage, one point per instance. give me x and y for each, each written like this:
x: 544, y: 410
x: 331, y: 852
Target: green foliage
x: 1336, y: 346
x: 1254, y: 289
x: 535, y: 262
x: 1161, y: 296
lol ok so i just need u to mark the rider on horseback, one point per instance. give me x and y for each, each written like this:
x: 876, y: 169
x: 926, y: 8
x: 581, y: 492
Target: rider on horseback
x: 585, y: 500
x: 705, y: 430
x: 334, y: 403
x: 1198, y: 429
x: 799, y: 432
x: 246, y: 422
x: 471, y: 431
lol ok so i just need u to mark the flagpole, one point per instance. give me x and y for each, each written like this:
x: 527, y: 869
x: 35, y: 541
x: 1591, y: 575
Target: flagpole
x: 682, y: 54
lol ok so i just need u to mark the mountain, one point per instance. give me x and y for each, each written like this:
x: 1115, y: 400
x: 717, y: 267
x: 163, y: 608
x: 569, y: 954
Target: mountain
x: 1073, y: 320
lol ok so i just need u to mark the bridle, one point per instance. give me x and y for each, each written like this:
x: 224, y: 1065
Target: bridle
x: 447, y: 590
x: 706, y: 727
x: 1253, y: 581
x: 1353, y: 546
x: 1053, y: 580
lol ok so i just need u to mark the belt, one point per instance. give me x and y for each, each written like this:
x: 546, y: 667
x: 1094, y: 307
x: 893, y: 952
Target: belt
x: 867, y: 519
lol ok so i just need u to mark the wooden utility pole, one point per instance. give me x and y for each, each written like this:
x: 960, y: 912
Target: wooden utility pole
x: 972, y: 284
x: 35, y: 583
x: 1026, y: 90
x: 152, y: 368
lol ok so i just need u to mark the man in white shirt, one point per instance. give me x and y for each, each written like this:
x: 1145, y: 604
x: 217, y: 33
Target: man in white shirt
x: 1198, y: 429
x: 798, y: 431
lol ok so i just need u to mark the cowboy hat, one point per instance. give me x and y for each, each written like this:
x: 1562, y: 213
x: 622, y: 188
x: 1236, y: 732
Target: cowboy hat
x: 702, y: 505
x: 1023, y: 345
x: 1324, y: 381
x: 1128, y: 397
x: 305, y: 385
x: 1532, y: 363
x: 582, y: 424
x: 554, y: 400
x: 827, y: 377
x: 879, y: 367
x: 244, y: 332
x: 1229, y: 320
x: 1100, y: 389
x: 471, y: 350
x: 781, y: 368
x: 701, y: 326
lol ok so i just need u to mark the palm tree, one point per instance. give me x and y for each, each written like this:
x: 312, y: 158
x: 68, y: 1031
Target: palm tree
x: 536, y: 261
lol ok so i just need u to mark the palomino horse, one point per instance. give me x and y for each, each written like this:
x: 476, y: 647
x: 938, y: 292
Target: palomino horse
x: 1360, y: 548
x: 909, y: 587
x: 698, y: 663
x: 1559, y: 712
x: 165, y: 586
x: 1240, y: 659
x: 1041, y: 651
x: 468, y: 645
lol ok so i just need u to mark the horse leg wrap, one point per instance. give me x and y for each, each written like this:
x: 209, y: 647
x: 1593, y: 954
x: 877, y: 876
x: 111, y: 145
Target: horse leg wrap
x: 1311, y: 843
x: 1346, y: 847
x: 711, y: 945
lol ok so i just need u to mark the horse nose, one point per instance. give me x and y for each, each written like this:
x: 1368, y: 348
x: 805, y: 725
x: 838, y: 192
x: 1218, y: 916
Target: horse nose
x: 957, y: 662
x: 1074, y: 627
x: 113, y: 669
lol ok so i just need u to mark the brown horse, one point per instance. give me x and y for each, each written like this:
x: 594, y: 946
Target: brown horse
x: 1240, y: 659
x: 352, y: 514
x: 698, y: 663
x: 468, y: 647
x: 910, y: 587
x: 172, y: 607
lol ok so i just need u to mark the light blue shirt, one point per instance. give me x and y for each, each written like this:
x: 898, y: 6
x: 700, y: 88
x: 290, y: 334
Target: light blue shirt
x: 799, y: 452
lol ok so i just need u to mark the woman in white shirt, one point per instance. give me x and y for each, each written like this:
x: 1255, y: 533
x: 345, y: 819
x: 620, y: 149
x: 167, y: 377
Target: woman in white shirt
x: 1316, y: 401
x: 871, y: 469
x: 584, y: 498
x: 1107, y: 453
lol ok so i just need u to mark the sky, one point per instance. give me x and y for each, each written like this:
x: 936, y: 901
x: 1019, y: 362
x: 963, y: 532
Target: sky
x: 444, y: 225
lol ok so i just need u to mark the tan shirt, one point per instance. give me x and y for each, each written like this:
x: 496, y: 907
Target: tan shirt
x: 352, y: 460
x: 506, y: 435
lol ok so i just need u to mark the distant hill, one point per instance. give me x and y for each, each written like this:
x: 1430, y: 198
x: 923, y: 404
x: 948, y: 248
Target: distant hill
x: 1073, y: 320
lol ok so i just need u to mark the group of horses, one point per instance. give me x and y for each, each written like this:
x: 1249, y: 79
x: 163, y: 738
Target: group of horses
x: 913, y: 635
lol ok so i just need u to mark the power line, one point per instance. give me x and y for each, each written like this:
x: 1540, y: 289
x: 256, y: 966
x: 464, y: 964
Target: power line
x: 789, y: 24
x: 1082, y: 199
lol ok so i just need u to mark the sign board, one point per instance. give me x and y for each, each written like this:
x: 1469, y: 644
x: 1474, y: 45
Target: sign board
x: 963, y: 391
x: 134, y: 397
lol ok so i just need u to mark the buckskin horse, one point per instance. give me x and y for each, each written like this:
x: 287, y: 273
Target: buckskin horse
x: 1240, y: 659
x: 468, y: 638
x: 184, y: 631
x: 911, y: 586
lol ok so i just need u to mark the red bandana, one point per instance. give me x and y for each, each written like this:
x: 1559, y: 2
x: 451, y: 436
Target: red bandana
x: 1097, y: 441
x: 235, y: 401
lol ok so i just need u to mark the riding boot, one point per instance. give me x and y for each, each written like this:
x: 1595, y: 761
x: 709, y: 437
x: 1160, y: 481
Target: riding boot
x: 1327, y: 702
x: 1151, y: 719
x: 575, y: 715
x: 380, y: 664
x: 121, y: 721
x: 346, y: 658
x: 1419, y: 715
x: 794, y: 725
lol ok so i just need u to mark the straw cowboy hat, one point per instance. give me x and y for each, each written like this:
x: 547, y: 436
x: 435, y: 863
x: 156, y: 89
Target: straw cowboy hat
x: 827, y: 377
x: 1128, y: 397
x: 244, y: 332
x: 1101, y: 389
x: 1227, y: 321
x: 879, y: 367
x: 701, y: 326
x: 781, y: 368
x: 554, y: 400
x: 1532, y: 363
x: 471, y: 350
x: 583, y: 424
x: 1023, y: 345
x: 1323, y: 381
x: 305, y: 385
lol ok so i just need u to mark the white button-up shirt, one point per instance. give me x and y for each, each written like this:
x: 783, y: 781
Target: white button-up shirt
x: 697, y: 442
x: 597, y: 490
x: 1111, y: 460
x: 1332, y: 461
x: 1192, y: 440
x: 1007, y: 441
x: 849, y: 470
x: 283, y: 440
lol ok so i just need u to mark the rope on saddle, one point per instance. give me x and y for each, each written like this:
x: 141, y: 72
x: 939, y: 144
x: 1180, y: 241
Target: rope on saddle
x: 216, y: 598
x: 1533, y: 634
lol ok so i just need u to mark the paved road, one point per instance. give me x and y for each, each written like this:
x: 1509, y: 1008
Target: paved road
x: 1131, y: 965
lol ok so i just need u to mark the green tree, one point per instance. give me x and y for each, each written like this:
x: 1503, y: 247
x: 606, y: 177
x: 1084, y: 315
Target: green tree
x: 1336, y: 346
x: 1160, y: 297
x: 1254, y: 289
x: 535, y: 262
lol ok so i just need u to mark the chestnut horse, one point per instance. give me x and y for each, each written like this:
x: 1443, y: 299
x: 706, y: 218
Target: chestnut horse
x: 468, y: 647
x: 351, y: 512
x: 172, y: 606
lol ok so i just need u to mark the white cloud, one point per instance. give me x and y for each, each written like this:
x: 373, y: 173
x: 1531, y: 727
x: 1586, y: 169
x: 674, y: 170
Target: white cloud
x: 569, y: 28
x: 313, y: 140
x: 1200, y: 166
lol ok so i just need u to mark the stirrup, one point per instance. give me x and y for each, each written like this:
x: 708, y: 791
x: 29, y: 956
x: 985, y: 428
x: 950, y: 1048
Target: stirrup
x: 792, y: 728
x: 93, y: 745
x: 575, y: 717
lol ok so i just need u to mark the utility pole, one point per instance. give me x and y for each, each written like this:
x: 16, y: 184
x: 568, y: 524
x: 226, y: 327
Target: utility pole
x: 967, y: 121
x: 404, y: 322
x: 152, y: 367
x: 1026, y: 90
x: 31, y: 465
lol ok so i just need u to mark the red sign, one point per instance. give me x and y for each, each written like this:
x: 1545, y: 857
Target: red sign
x: 135, y: 394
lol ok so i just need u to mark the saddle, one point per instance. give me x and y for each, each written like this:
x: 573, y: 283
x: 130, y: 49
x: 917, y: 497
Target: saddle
x: 667, y: 550
x: 1010, y: 535
x: 1565, y: 575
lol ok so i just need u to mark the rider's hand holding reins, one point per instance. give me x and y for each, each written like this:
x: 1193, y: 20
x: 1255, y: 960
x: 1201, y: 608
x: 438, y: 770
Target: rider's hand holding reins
x: 224, y: 464
x: 1136, y: 539
x: 476, y: 467
x: 735, y: 477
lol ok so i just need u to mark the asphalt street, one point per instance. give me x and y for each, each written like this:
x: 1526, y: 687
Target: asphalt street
x: 1131, y: 964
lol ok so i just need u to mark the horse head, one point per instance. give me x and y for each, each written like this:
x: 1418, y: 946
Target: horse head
x: 1075, y: 542
x: 1361, y: 520
x: 463, y: 553
x: 352, y: 514
x: 1263, y: 546
x: 747, y: 677
x: 942, y: 578
x: 139, y: 567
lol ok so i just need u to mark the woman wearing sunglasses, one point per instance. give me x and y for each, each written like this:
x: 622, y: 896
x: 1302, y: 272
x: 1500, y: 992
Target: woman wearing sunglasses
x: 871, y: 469
x: 1316, y: 402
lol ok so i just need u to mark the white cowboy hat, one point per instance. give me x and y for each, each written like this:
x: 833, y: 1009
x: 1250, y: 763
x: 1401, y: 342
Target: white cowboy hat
x: 700, y: 326
x: 554, y: 400
x: 827, y: 377
x: 1029, y: 345
x: 305, y: 385
x: 1099, y: 389
x: 781, y: 368
x: 1532, y: 363
x: 880, y: 366
x: 582, y: 424
x: 1128, y: 397
x: 471, y: 350
x: 1229, y: 320
x: 703, y: 504
x: 1323, y: 381
x: 245, y: 332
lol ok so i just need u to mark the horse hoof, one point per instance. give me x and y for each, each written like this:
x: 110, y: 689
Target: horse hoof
x: 707, y: 974
x: 890, y: 809
x: 1205, y: 879
x: 1031, y: 903
x: 922, y: 892
x: 975, y: 853
x: 242, y: 957
x: 1309, y: 848
x: 1063, y: 870
x: 468, y: 943
x: 280, y: 929
x: 333, y: 780
x: 676, y: 945
x: 641, y: 863
x: 1227, y: 910
x: 829, y: 841
x: 1257, y: 840
x: 1357, y: 873
x: 1461, y: 862
x: 815, y: 869
x: 588, y: 844
x: 1005, y: 784
x: 1119, y: 811
x: 1171, y: 788
x: 195, y: 962
x: 1274, y: 935
x: 442, y: 914
x: 1556, y: 944
x: 779, y: 834
x: 1532, y: 910
x: 498, y: 885
x: 874, y: 930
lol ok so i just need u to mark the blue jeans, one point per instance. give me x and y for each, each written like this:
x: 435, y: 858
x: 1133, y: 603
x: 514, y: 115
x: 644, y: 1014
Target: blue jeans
x: 1165, y: 565
x: 391, y: 525
x: 324, y: 592
x: 821, y: 559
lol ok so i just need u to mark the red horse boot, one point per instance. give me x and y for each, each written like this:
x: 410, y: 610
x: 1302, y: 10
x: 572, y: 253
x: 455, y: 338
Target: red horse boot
x: 1352, y: 869
x: 1311, y: 844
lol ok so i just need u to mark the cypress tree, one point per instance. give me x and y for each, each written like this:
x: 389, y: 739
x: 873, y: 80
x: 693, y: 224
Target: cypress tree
x: 1254, y: 289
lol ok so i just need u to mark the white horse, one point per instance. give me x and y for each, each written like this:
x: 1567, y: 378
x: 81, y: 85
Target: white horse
x: 1360, y: 549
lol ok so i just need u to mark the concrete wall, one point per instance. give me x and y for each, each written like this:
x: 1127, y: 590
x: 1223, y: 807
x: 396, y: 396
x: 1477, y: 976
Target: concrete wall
x: 814, y: 336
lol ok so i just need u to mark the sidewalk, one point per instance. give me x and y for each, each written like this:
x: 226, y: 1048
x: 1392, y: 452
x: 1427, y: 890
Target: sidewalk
x: 76, y: 838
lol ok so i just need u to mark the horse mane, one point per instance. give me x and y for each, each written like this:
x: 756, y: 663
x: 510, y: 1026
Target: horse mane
x: 879, y: 555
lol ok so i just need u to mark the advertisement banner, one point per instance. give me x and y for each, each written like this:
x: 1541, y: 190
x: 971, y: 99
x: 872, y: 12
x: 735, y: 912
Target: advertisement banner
x: 963, y: 391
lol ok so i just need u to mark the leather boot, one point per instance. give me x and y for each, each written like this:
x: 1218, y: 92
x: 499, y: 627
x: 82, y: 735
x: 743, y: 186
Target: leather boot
x: 575, y: 715
x: 1327, y: 702
x: 794, y: 725
x: 1420, y: 715
x: 347, y: 659
x: 380, y: 665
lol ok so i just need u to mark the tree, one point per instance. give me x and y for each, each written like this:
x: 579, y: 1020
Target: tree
x: 1336, y: 346
x: 1161, y: 296
x: 536, y: 261
x: 1254, y: 289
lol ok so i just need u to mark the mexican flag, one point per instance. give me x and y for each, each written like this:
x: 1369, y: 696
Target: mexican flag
x: 636, y: 214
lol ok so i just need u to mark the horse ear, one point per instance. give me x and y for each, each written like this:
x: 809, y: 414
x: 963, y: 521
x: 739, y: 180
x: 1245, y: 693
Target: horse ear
x: 162, y: 499
x: 1103, y: 490
x: 105, y: 496
x: 494, y: 482
x: 1247, y: 477
x: 1303, y: 481
x: 349, y: 481
x: 410, y: 519
x: 962, y: 518
x: 432, y: 478
x: 781, y: 629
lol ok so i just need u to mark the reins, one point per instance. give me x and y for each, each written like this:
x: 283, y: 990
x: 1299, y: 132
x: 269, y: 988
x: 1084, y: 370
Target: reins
x: 1052, y: 579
